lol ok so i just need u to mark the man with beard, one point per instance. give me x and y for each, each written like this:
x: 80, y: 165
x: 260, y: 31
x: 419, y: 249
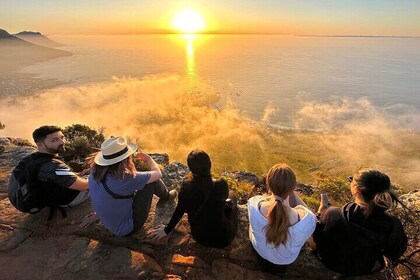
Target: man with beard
x: 61, y: 186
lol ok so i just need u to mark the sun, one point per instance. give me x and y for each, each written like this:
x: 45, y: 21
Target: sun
x: 188, y: 21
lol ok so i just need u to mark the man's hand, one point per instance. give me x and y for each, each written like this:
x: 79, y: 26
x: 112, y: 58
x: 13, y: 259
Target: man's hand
x: 157, y: 232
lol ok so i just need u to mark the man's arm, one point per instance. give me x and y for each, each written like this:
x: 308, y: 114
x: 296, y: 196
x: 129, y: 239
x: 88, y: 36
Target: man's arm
x: 80, y: 184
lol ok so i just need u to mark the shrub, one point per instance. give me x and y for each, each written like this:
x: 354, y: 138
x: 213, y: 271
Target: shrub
x: 22, y: 142
x: 338, y: 190
x: 2, y: 126
x: 81, y: 141
x: 242, y: 189
x: 408, y: 266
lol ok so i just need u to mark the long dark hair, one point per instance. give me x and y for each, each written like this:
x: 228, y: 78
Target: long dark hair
x: 200, y: 178
x: 375, y: 188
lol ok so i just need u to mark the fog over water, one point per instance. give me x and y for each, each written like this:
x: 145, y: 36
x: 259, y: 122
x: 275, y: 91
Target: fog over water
x: 348, y: 101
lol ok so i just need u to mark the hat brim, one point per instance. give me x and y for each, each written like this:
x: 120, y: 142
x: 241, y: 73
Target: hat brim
x: 100, y: 160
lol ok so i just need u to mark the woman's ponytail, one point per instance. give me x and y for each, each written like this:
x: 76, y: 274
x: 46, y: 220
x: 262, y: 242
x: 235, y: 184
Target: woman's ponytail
x: 277, y: 229
x: 281, y: 181
x: 375, y: 187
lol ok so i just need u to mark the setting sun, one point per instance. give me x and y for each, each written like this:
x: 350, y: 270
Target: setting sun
x: 188, y: 21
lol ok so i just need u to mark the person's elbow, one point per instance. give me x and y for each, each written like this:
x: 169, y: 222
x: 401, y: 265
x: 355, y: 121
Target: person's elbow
x: 80, y: 185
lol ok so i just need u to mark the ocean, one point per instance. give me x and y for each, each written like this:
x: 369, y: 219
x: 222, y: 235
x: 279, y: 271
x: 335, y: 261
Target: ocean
x: 269, y: 78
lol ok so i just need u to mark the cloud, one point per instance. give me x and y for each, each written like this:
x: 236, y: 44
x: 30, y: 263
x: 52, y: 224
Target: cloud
x: 163, y: 114
x: 269, y: 111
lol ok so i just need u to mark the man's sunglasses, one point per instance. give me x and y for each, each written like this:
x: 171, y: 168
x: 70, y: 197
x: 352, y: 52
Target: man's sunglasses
x: 350, y: 179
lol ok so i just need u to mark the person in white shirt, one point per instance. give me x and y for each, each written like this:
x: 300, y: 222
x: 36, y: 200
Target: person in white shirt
x: 279, y: 222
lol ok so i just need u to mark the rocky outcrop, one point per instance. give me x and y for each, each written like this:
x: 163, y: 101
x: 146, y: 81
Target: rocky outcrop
x: 62, y: 249
x: 412, y: 200
x: 10, y: 155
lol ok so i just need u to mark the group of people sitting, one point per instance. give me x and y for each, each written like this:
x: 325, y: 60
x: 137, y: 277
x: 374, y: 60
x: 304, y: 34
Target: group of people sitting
x: 351, y: 240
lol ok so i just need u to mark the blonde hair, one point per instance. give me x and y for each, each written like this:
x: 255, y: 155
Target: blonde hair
x: 281, y: 180
x: 117, y: 170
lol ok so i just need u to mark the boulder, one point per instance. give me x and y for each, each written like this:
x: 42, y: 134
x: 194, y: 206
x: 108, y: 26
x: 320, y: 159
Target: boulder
x: 412, y: 200
x: 174, y: 174
x: 162, y: 159
x: 5, y: 141
x: 243, y: 176
x: 9, y: 158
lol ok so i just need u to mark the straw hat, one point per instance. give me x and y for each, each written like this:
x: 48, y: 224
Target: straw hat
x: 114, y: 150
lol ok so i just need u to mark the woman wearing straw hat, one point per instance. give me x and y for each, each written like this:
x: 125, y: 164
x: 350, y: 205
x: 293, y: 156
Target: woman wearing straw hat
x: 120, y: 195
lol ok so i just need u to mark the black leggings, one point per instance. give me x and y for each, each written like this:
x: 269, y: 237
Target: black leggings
x: 267, y: 266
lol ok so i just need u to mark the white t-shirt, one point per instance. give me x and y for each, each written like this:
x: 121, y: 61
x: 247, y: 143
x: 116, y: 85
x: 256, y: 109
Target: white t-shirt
x: 298, y: 234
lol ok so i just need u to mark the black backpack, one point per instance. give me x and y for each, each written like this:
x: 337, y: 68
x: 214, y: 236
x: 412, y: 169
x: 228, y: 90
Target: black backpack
x: 25, y: 192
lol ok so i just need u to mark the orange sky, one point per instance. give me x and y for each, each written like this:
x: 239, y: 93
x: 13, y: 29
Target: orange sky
x: 339, y: 17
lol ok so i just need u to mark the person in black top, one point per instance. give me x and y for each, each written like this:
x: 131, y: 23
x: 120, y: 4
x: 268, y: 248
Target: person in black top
x: 354, y: 239
x: 58, y: 185
x: 212, y: 220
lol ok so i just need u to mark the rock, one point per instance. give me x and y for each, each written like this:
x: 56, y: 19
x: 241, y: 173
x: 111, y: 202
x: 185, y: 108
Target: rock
x: 74, y: 258
x: 9, y: 158
x: 187, y: 261
x: 14, y: 240
x: 2, y: 149
x: 243, y: 176
x: 174, y: 174
x: 225, y: 270
x: 162, y: 159
x: 304, y: 189
x: 4, y: 141
x: 13, y: 154
x: 412, y: 200
x: 21, y: 142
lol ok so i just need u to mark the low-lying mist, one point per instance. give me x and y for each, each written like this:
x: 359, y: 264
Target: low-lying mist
x: 161, y: 114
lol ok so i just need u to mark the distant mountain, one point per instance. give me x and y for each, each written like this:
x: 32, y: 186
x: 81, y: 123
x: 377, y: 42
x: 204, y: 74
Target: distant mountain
x: 16, y: 52
x: 37, y: 38
x: 5, y: 35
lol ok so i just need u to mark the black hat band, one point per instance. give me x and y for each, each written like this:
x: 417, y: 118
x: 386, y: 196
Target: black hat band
x: 117, y: 154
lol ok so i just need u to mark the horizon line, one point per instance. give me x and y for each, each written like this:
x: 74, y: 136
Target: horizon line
x: 170, y: 32
x: 239, y: 33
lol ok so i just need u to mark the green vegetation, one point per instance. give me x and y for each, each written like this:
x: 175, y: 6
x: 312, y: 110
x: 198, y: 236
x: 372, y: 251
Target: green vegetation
x: 22, y: 142
x: 2, y: 126
x: 82, y: 141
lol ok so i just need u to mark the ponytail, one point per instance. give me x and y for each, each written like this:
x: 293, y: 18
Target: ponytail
x: 277, y: 228
x: 375, y: 188
x: 281, y: 180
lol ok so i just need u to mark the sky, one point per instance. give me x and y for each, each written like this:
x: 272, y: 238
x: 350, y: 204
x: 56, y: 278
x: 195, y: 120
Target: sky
x: 297, y: 17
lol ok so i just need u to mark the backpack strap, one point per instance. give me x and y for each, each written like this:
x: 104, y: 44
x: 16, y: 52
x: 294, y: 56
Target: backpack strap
x: 115, y: 195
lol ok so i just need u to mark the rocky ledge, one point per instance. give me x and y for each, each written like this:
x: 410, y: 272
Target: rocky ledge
x: 33, y: 248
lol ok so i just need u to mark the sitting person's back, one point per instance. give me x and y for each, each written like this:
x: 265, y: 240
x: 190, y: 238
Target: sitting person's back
x: 212, y: 223
x: 207, y: 218
x: 353, y: 240
x: 279, y: 223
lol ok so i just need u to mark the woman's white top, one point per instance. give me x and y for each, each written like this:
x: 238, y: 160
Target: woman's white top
x: 298, y: 234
